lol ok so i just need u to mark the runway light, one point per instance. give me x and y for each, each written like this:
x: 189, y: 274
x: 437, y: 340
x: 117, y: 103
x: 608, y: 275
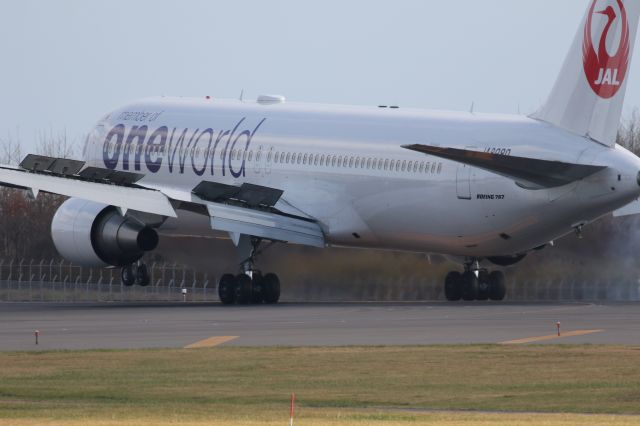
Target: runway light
x: 37, y: 334
x: 558, y: 325
x: 292, y: 409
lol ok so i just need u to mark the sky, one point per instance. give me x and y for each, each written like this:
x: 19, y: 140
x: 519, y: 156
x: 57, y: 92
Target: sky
x: 66, y: 63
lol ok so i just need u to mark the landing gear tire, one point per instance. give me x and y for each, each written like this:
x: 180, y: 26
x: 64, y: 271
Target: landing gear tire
x: 243, y: 289
x: 497, y: 286
x: 469, y: 286
x: 142, y: 275
x: 227, y: 289
x: 483, y: 286
x: 128, y: 276
x: 271, y: 288
x: 453, y: 286
x: 257, y: 288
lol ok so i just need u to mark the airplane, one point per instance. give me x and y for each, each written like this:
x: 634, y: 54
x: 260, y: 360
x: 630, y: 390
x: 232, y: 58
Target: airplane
x: 480, y: 188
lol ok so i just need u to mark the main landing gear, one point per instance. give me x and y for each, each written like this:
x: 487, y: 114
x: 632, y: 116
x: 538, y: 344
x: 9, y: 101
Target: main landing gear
x: 475, y: 284
x: 137, y: 273
x: 249, y: 286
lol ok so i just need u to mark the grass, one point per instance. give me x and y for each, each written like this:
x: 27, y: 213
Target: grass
x: 356, y: 385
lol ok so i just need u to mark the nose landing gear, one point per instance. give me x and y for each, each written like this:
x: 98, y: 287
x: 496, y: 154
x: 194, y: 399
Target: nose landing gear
x: 475, y: 283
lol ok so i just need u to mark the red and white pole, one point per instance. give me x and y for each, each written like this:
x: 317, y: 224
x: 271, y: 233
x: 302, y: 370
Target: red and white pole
x: 37, y: 334
x: 558, y: 325
x: 292, y: 409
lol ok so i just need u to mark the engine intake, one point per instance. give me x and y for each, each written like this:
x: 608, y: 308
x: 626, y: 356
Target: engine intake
x: 94, y: 234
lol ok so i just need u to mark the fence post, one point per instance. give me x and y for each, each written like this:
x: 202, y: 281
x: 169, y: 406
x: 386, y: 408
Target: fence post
x: 204, y: 287
x: 86, y: 296
x: 64, y: 287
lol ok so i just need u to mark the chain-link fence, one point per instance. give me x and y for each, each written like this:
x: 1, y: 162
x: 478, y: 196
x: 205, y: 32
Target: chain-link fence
x: 60, y: 281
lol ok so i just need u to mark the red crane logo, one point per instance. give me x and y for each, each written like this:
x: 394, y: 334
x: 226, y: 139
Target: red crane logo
x: 606, y: 73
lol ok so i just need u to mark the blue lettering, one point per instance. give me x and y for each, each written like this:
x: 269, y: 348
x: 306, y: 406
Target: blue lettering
x: 138, y: 134
x: 249, y: 136
x: 156, y: 149
x: 197, y: 171
x: 111, y: 160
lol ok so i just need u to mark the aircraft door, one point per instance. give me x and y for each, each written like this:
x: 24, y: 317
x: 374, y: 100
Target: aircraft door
x: 463, y: 182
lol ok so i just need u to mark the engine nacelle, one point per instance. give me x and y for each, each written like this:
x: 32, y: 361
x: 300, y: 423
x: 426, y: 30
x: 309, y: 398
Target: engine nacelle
x: 94, y: 234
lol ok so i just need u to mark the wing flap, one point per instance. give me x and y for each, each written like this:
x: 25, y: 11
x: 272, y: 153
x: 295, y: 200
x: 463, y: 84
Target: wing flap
x: 124, y: 197
x: 267, y: 225
x: 630, y: 209
x: 530, y: 173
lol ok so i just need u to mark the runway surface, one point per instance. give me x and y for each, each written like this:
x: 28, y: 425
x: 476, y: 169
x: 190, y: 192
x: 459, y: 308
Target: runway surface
x: 92, y: 326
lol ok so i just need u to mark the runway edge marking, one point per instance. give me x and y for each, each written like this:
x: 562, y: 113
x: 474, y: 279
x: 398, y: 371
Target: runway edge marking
x: 551, y: 337
x: 211, y: 342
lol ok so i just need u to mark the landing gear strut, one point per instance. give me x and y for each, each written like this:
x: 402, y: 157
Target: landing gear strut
x: 137, y: 273
x: 249, y: 286
x: 475, y: 283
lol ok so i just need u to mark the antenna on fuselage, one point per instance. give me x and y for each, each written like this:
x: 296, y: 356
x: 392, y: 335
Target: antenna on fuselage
x: 473, y: 105
x: 241, y: 95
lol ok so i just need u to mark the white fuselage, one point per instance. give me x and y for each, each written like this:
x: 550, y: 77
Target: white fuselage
x: 345, y: 167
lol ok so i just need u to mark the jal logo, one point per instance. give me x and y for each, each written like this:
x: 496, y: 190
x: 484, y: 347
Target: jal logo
x: 606, y: 47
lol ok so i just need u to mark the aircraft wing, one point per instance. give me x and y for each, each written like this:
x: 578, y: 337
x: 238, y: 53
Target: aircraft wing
x: 630, y: 209
x: 247, y: 209
x: 530, y: 173
x: 125, y: 197
x: 238, y: 220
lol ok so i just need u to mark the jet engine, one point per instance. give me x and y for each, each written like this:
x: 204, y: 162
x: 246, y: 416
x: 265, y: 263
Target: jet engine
x: 93, y: 234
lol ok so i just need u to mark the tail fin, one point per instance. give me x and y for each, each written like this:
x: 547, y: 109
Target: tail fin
x: 588, y: 96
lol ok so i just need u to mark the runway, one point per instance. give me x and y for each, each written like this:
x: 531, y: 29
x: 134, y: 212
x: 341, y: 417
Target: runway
x: 122, y: 326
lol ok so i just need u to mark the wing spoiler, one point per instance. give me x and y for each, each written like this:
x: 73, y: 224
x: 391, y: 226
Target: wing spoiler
x: 530, y: 173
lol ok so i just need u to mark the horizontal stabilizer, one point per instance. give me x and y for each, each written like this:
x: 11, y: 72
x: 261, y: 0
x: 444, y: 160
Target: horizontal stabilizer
x: 530, y: 173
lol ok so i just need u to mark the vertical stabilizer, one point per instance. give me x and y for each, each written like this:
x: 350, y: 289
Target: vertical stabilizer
x: 588, y: 96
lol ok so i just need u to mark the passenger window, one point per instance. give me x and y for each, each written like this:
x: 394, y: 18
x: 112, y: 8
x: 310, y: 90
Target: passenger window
x: 386, y: 164
x: 393, y: 163
x: 357, y: 162
x: 433, y: 168
x: 276, y: 157
x: 340, y: 161
x: 250, y: 156
x: 439, y: 168
x: 398, y: 166
x: 304, y: 160
x: 258, y: 155
x: 351, y: 162
x: 368, y: 163
x: 269, y: 156
x: 333, y: 161
x: 421, y: 166
x: 322, y: 160
x: 410, y: 166
x: 404, y: 166
x: 415, y: 167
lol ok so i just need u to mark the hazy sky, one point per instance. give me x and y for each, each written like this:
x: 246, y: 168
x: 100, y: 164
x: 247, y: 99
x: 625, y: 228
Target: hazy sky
x: 65, y: 63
